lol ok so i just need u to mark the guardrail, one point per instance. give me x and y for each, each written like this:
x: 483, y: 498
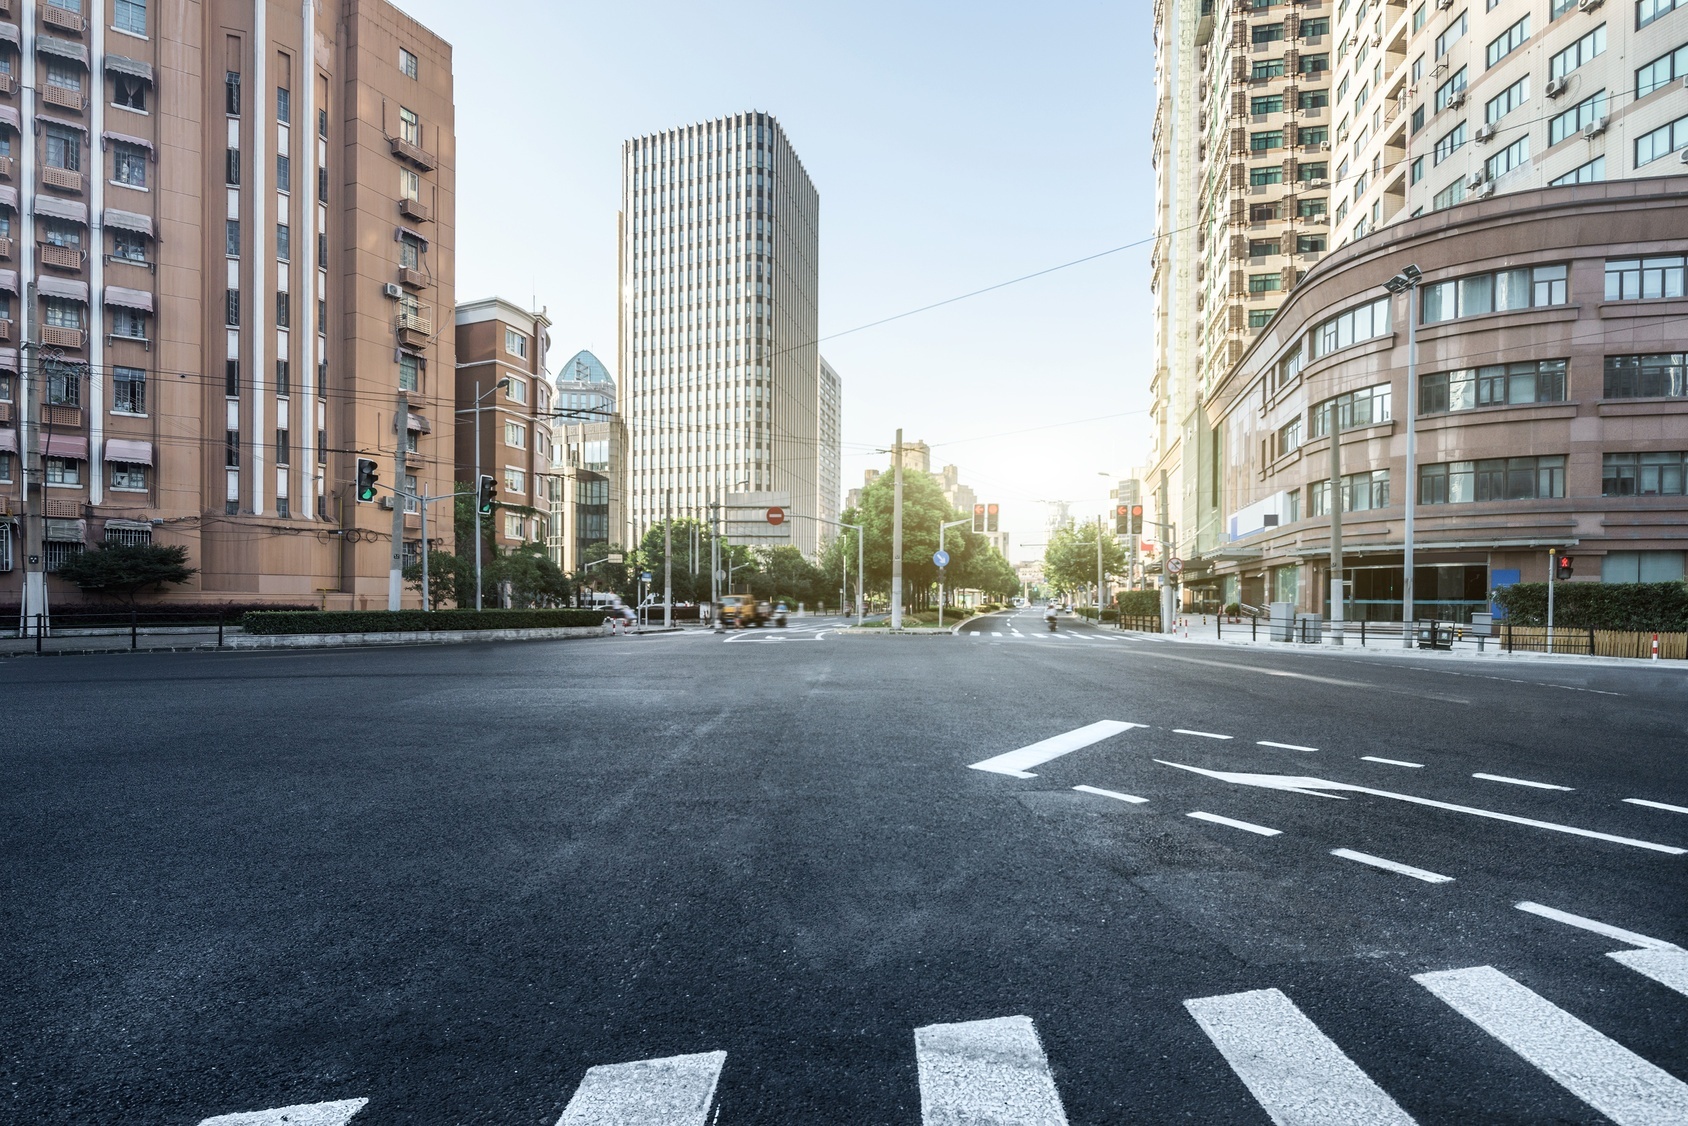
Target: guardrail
x: 134, y: 624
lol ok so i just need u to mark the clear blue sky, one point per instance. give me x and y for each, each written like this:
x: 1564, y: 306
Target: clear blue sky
x: 954, y: 146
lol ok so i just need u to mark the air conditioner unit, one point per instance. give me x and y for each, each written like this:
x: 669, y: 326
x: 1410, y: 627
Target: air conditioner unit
x: 1457, y: 100
x: 1475, y: 180
x: 1588, y: 5
x: 1326, y: 183
x: 1593, y: 129
x: 386, y: 502
x: 391, y: 289
x: 1444, y: 5
x: 1557, y: 86
x: 1683, y: 156
x: 1486, y: 190
x: 1485, y: 134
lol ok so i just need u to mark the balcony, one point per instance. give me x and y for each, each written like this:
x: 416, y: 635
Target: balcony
x: 56, y: 336
x: 8, y: 84
x: 58, y: 414
x: 412, y: 278
x: 63, y: 20
x: 62, y: 178
x: 414, y: 153
x: 60, y: 257
x: 415, y: 209
x: 414, y: 328
x: 64, y: 97
x: 63, y: 509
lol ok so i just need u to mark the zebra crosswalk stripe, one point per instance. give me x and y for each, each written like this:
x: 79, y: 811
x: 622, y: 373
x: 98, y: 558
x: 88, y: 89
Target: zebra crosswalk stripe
x: 676, y: 1091
x: 985, y: 1073
x: 1295, y: 1072
x: 305, y: 1114
x: 1667, y: 967
x: 1596, y: 1069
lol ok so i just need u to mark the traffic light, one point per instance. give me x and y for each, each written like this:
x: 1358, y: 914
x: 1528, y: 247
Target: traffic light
x: 1122, y: 519
x: 978, y: 518
x: 990, y: 518
x: 486, y: 494
x: 366, y: 479
x: 1563, y: 565
x: 1136, y: 519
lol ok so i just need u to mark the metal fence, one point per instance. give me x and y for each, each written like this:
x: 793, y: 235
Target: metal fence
x: 116, y: 628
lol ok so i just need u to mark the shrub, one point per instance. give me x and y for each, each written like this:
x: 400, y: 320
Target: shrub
x: 1139, y: 603
x: 404, y: 621
x: 1618, y: 606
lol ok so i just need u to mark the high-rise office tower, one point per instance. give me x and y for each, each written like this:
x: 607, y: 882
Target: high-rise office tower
x: 225, y: 229
x: 830, y: 428
x: 719, y: 266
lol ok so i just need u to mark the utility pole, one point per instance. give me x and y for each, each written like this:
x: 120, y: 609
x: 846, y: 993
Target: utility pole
x: 395, y: 565
x: 478, y: 540
x: 668, y: 559
x: 1167, y: 548
x: 1336, y: 581
x: 897, y: 533
x: 942, y: 528
x: 1552, y: 566
x: 427, y: 603
x: 1098, y: 570
x: 34, y: 465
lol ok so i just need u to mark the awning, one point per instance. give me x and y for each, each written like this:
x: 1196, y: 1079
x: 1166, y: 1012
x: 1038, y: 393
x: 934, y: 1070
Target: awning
x: 10, y: 33
x: 9, y: 116
x: 128, y: 221
x: 8, y: 197
x: 8, y: 359
x: 41, y: 118
x: 399, y: 234
x: 126, y: 139
x: 417, y: 422
x: 65, y: 531
x: 66, y: 445
x: 118, y: 64
x: 63, y: 48
x: 8, y: 281
x: 127, y: 298
x: 67, y: 288
x: 135, y: 453
x: 62, y: 208
x: 8, y: 441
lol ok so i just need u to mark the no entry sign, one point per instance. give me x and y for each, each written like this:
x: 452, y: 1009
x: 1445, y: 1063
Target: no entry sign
x: 776, y: 516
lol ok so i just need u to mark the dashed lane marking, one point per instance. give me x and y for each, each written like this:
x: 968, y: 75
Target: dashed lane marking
x: 1391, y: 762
x: 1115, y: 794
x: 1522, y: 782
x: 1283, y: 746
x: 1657, y: 805
x: 1245, y: 826
x: 1667, y: 967
x: 1392, y: 866
x: 1581, y: 922
x: 1199, y: 734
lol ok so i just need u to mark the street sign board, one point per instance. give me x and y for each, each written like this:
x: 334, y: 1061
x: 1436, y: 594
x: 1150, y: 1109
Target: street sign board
x: 941, y: 558
x: 645, y: 576
x: 746, y: 518
x: 720, y: 576
x: 776, y: 516
x: 1174, y: 565
x: 614, y: 557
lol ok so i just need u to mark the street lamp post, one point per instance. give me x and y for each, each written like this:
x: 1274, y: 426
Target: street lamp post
x: 476, y: 411
x: 1407, y: 282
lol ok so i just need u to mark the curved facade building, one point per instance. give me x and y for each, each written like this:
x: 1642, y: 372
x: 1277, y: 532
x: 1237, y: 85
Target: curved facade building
x: 585, y: 384
x: 1552, y: 409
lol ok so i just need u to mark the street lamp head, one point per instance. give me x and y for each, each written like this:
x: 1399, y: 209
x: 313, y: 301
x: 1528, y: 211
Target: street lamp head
x: 1412, y: 273
x: 1405, y: 280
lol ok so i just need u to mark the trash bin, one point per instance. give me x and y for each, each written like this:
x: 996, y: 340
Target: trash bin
x: 1308, y: 628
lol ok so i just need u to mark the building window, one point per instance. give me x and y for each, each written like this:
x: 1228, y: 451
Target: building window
x: 1361, y: 492
x: 1288, y: 438
x: 133, y: 537
x: 1659, y: 375
x: 1506, y: 101
x: 410, y: 127
x: 1262, y: 212
x: 1265, y: 283
x: 1591, y: 173
x: 130, y: 16
x: 1452, y: 34
x: 1643, y: 475
x: 57, y: 553
x: 1641, y: 567
x: 231, y: 238
x: 283, y: 105
x: 1258, y: 318
x: 1649, y: 10
x: 515, y: 343
x: 1266, y: 68
x: 1417, y: 169
x: 410, y: 251
x: 129, y: 390
x: 231, y: 93
x: 131, y: 246
x: 1313, y: 99
x: 515, y: 390
x: 1578, y: 53
x: 1448, y: 196
x: 1315, y: 65
x: 1446, y: 91
x: 1508, y: 41
x: 283, y: 243
x: 1260, y: 247
x: 410, y: 370
x: 1530, y: 381
x: 1661, y: 142
x: 56, y: 232
x: 231, y: 173
x: 1314, y: 29
x: 231, y: 311
x: 1309, y: 244
x: 63, y: 314
x: 129, y: 92
x: 1585, y: 112
x: 283, y: 447
x: 64, y: 149
x: 1310, y: 208
x: 128, y: 477
x: 231, y: 379
x: 1263, y: 142
x: 407, y: 63
x: 128, y: 324
x: 515, y: 435
x: 283, y: 173
x: 1369, y: 406
x: 1450, y: 144
x: 410, y: 184
x: 283, y: 378
x: 1267, y: 32
x: 1492, y: 479
x: 515, y: 481
x: 515, y: 527
x: 1361, y: 323
x: 1271, y: 103
x: 284, y: 310
x: 1635, y: 279
x: 1499, y: 292
x: 64, y: 471
x: 1262, y: 177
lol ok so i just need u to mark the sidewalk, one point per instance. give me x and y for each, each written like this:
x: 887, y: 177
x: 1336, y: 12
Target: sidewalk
x: 84, y: 642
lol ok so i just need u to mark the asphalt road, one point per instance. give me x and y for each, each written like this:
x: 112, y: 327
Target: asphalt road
x: 451, y: 880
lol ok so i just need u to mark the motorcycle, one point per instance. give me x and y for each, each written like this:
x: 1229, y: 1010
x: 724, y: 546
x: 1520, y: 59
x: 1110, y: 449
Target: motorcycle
x: 1051, y: 620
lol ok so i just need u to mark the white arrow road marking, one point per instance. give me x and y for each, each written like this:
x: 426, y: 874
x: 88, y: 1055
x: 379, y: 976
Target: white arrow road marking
x: 1294, y: 1071
x: 1116, y: 795
x: 1657, y: 805
x: 1596, y: 1069
x: 1392, y: 866
x: 676, y: 1091
x: 985, y: 1073
x: 1014, y: 763
x: 1627, y: 937
x: 305, y: 1114
x: 1305, y: 785
x: 1667, y: 967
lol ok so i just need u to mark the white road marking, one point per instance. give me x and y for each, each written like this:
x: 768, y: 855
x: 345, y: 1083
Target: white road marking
x: 1667, y: 967
x: 676, y: 1091
x: 1391, y: 761
x: 1295, y: 1072
x: 1247, y: 826
x: 985, y: 1073
x: 1305, y: 785
x: 1607, y: 929
x: 1111, y: 794
x: 305, y: 1114
x: 1283, y: 746
x: 1657, y: 805
x: 1254, y: 668
x: 996, y: 633
x: 1202, y: 734
x: 1392, y: 866
x: 1522, y: 782
x: 1014, y: 763
x: 1596, y: 1069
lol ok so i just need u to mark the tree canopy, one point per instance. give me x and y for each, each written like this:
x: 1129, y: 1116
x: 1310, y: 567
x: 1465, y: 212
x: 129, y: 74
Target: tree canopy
x: 123, y: 570
x: 1069, y: 562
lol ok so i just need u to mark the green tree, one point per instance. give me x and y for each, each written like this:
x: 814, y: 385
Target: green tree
x: 691, y: 572
x: 535, y: 580
x: 924, y: 508
x: 124, y: 570
x: 784, y: 574
x: 1069, y: 562
x: 616, y: 578
x: 451, y: 579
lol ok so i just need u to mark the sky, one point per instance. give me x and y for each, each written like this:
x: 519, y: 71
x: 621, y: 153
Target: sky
x: 955, y: 146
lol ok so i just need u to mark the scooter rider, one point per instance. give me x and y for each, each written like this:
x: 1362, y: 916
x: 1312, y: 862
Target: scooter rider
x: 1049, y: 615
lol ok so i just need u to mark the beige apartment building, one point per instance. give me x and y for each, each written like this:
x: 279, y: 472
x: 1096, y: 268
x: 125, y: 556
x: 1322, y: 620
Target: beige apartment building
x: 225, y: 230
x: 501, y: 352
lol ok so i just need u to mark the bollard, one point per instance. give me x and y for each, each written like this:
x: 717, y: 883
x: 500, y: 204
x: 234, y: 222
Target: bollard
x: 1219, y: 624
x: 1655, y: 647
x: 1253, y: 628
x: 134, y: 622
x: 38, y: 635
x: 219, y: 629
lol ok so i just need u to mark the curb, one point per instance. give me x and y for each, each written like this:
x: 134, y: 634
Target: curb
x: 248, y: 643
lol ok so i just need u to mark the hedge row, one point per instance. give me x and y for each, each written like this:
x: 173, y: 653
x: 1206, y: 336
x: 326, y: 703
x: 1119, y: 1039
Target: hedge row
x: 1139, y: 603
x: 1616, y: 606
x: 407, y: 621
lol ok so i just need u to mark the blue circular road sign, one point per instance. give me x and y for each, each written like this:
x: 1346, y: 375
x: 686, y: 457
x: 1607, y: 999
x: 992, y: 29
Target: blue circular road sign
x: 941, y: 558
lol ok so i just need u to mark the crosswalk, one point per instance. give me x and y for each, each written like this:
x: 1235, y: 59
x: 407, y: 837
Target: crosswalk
x: 994, y: 1071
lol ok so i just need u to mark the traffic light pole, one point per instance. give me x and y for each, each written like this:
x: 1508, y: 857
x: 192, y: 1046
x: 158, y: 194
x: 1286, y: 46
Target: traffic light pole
x: 897, y: 533
x: 1552, y: 566
x: 941, y: 530
x: 395, y: 563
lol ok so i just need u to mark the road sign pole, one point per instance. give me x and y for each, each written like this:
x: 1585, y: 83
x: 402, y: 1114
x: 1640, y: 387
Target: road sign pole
x: 897, y: 533
x: 668, y: 560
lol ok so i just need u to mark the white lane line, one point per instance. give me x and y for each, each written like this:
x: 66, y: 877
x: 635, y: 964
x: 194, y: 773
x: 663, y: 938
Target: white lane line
x: 305, y: 1114
x: 1295, y: 1072
x: 1115, y: 794
x: 676, y: 1091
x: 1315, y: 786
x: 974, y: 634
x: 1667, y: 967
x: 1391, y: 762
x: 996, y: 633
x: 1015, y: 763
x: 1657, y: 805
x: 1598, y: 1070
x: 1392, y: 866
x: 1283, y: 746
x: 1522, y: 782
x: 984, y: 1073
x: 1200, y: 734
x: 1607, y: 929
x: 1247, y: 826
